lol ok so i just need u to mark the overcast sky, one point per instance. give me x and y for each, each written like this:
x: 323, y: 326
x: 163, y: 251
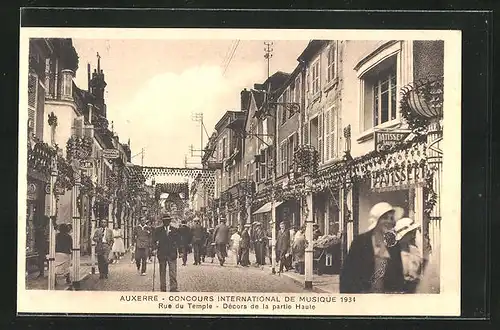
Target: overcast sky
x: 153, y: 86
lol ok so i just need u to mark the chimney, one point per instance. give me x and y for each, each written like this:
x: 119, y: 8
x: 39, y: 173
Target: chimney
x: 88, y: 77
x: 245, y: 99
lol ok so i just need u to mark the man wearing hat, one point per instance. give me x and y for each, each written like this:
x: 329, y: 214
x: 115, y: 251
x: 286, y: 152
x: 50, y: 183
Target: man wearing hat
x: 221, y: 238
x: 245, y: 246
x: 103, y: 236
x: 260, y: 242
x: 166, y: 241
x: 198, y: 236
x: 373, y: 264
x: 141, y: 239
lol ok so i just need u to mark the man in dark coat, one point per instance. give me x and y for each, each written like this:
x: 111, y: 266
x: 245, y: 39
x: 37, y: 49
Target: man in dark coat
x: 141, y: 238
x: 260, y: 244
x: 282, y: 246
x: 166, y: 241
x: 245, y: 247
x: 198, y: 237
x: 372, y: 265
x: 185, y: 241
x: 221, y: 238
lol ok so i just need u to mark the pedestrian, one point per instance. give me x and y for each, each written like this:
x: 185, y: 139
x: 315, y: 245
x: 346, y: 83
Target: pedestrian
x: 260, y: 242
x: 235, y: 244
x: 203, y: 245
x: 64, y: 244
x: 316, y: 232
x: 373, y: 264
x: 103, y: 236
x: 141, y: 239
x: 245, y: 247
x: 118, y: 246
x: 282, y: 246
x: 185, y: 241
x: 41, y: 243
x: 198, y: 234
x: 166, y: 240
x: 413, y: 262
x: 299, y: 250
x: 210, y: 245
x: 221, y: 238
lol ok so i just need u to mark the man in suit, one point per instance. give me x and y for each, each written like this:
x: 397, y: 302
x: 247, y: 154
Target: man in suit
x: 103, y: 236
x: 245, y: 247
x: 259, y: 239
x: 198, y: 237
x: 166, y: 241
x: 142, y: 240
x: 185, y: 240
x: 282, y: 246
x: 221, y: 235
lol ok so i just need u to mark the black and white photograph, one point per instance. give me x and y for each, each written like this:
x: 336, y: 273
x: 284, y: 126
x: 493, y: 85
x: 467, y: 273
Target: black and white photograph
x: 215, y: 171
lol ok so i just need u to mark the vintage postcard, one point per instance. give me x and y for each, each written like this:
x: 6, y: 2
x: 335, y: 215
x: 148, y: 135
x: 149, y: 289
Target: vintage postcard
x: 239, y: 172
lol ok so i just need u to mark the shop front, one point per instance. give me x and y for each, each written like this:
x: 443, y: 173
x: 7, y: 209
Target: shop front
x: 36, y: 227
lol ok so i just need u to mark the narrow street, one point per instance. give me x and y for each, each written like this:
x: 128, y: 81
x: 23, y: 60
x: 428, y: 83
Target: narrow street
x: 207, y: 277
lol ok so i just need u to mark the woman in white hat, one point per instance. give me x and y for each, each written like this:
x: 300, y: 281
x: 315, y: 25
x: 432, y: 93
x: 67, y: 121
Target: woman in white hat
x: 373, y: 264
x: 406, y: 230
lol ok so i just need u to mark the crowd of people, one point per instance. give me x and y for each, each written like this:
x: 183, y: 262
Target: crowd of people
x: 384, y: 259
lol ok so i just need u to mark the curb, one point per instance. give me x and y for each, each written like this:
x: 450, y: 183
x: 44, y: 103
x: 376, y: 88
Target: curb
x: 82, y: 279
x: 301, y: 283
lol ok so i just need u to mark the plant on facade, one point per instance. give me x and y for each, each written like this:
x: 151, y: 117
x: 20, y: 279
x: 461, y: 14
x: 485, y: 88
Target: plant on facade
x: 79, y: 147
x: 306, y: 160
x: 52, y: 120
x: 422, y: 101
x: 65, y: 178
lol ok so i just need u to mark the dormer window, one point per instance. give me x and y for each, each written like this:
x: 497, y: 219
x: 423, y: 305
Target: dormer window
x: 67, y: 84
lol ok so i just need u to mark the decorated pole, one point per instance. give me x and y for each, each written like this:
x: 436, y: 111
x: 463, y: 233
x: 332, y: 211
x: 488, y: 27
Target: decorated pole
x: 52, y: 230
x: 308, y: 214
x: 52, y: 206
x: 76, y: 211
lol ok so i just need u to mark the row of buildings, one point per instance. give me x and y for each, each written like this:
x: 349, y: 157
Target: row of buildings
x: 70, y: 140
x: 354, y: 123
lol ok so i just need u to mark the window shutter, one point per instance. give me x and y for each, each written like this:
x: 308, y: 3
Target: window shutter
x: 327, y: 135
x: 78, y: 127
x: 320, y: 137
x: 32, y: 85
x: 305, y: 133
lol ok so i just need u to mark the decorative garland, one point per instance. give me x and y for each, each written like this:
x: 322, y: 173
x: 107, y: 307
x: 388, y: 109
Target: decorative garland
x: 65, y: 178
x: 40, y: 157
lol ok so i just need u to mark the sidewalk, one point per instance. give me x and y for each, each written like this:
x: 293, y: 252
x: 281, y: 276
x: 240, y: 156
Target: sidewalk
x: 324, y: 283
x: 34, y: 283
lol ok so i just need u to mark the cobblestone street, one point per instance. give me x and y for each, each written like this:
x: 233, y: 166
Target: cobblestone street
x: 207, y: 277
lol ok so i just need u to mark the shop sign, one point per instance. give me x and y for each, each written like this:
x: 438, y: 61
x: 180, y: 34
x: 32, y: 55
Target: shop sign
x: 110, y: 153
x: 397, y: 179
x: 85, y: 164
x: 59, y: 191
x: 32, y: 190
x: 385, y: 140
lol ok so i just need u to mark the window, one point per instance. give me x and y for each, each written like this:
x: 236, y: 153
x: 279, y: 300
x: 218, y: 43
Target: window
x: 329, y: 134
x: 379, y: 93
x: 283, y: 149
x: 262, y: 164
x: 331, y: 63
x: 283, y: 108
x: 219, y: 153
x: 297, y: 90
x: 32, y: 102
x: 270, y: 160
x: 224, y: 146
x: 315, y: 78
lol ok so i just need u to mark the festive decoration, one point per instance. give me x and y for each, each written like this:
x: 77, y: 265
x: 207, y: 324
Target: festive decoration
x: 52, y: 120
x: 326, y: 241
x: 40, y: 157
x: 306, y: 160
x: 79, y: 147
x: 421, y: 101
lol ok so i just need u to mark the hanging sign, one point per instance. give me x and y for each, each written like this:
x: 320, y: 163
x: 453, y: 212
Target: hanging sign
x: 110, y: 153
x: 85, y: 164
x: 385, y: 140
x: 398, y: 179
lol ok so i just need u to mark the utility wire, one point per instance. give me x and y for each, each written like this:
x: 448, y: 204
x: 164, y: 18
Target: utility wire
x: 231, y: 58
x: 226, y: 57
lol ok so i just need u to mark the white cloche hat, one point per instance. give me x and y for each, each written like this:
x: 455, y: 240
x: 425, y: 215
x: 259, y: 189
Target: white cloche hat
x: 404, y: 226
x: 377, y: 211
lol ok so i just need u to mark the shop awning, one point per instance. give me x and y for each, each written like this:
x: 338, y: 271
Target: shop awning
x: 267, y: 207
